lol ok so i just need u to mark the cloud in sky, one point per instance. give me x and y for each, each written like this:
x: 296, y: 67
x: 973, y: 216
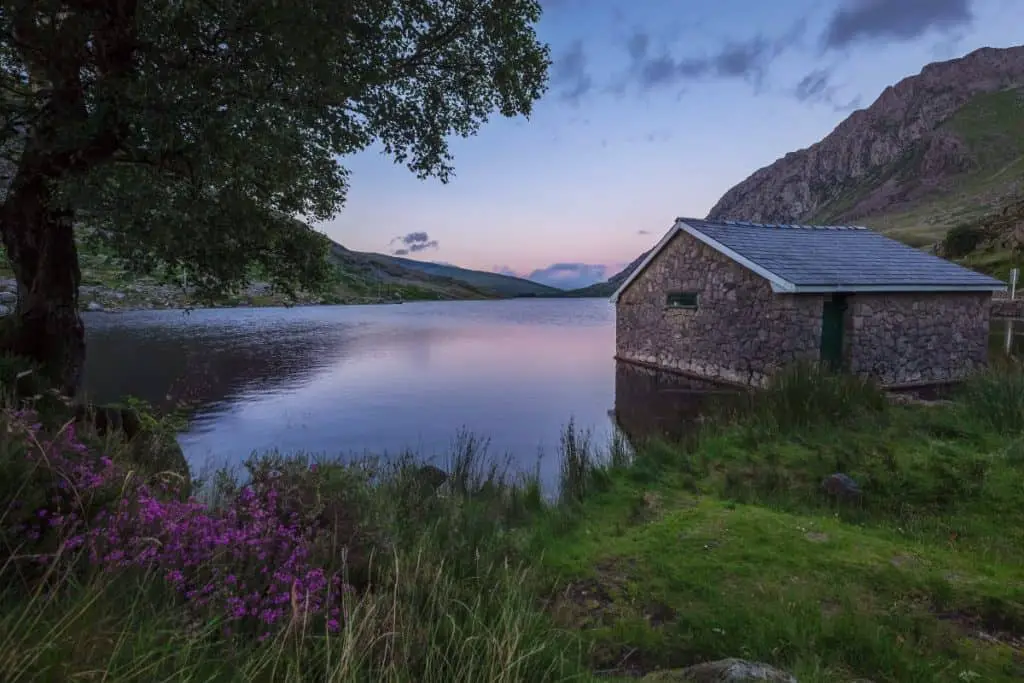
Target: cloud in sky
x: 412, y: 243
x: 818, y: 86
x: 735, y: 59
x: 691, y: 69
x: 570, y: 76
x: 569, y: 275
x: 652, y: 66
x: 867, y: 20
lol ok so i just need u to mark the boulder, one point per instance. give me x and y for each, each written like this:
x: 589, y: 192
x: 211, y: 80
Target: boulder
x: 723, y: 671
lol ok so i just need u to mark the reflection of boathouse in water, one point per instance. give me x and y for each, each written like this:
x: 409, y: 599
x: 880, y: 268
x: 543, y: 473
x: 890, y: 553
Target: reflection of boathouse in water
x: 652, y: 403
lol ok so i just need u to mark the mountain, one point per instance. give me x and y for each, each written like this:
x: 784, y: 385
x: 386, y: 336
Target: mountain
x: 608, y: 287
x: 936, y: 161
x: 940, y: 149
x: 505, y: 286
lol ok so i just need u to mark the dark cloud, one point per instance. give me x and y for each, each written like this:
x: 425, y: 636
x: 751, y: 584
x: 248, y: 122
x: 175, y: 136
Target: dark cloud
x: 814, y: 85
x: 865, y: 20
x: 569, y: 275
x: 570, y: 76
x: 413, y: 242
x: 818, y: 87
x: 637, y: 45
x: 747, y: 60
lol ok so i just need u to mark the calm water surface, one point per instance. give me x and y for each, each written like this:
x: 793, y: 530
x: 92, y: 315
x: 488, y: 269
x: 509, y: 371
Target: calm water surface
x: 354, y: 380
x: 366, y: 379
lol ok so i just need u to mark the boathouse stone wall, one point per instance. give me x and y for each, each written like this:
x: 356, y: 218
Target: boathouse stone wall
x: 741, y: 332
x: 917, y: 338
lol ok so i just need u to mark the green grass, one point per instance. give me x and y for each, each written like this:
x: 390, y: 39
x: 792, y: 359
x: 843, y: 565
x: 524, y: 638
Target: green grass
x: 728, y: 548
x: 656, y: 556
x: 992, y: 125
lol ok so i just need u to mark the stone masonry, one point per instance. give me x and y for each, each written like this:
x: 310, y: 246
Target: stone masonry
x: 741, y: 332
x: 917, y: 338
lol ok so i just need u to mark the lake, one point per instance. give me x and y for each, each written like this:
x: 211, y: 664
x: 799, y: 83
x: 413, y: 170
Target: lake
x: 358, y: 380
x: 367, y: 379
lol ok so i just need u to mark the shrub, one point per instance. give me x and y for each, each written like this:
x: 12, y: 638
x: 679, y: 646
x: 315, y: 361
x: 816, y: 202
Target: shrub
x: 961, y: 240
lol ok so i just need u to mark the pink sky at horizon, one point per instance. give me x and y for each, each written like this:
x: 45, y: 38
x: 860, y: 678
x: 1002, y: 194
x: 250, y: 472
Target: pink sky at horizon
x: 618, y: 146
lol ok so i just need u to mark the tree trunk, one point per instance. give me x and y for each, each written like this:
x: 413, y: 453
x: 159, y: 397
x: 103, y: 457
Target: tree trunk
x: 41, y: 248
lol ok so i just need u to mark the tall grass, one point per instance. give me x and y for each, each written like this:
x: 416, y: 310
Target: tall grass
x: 419, y: 623
x: 996, y: 398
x: 807, y: 395
x: 438, y: 585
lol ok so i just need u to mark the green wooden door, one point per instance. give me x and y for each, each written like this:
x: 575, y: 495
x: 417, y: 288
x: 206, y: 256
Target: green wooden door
x: 832, y: 317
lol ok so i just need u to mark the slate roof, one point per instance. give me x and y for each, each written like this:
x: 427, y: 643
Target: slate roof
x: 826, y: 258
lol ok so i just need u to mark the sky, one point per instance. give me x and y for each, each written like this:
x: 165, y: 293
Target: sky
x: 654, y: 109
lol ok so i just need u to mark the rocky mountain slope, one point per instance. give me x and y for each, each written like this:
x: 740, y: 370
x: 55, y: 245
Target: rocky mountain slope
x: 937, y: 149
x: 936, y: 161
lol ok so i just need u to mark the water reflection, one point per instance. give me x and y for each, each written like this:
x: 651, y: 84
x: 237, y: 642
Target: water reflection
x: 348, y: 379
x: 655, y: 404
x: 383, y: 379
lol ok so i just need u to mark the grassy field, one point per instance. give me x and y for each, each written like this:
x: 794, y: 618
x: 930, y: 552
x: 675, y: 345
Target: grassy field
x: 728, y: 547
x: 650, y: 558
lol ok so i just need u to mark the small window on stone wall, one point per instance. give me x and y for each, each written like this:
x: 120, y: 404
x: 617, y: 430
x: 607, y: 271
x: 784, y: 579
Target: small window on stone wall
x: 682, y: 300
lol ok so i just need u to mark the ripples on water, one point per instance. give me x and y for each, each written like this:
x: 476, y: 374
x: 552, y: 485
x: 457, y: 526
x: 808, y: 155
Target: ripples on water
x: 365, y: 379
x: 385, y: 379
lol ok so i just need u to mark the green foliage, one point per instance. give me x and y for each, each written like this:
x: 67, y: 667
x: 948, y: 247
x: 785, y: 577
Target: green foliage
x: 192, y: 139
x: 961, y: 240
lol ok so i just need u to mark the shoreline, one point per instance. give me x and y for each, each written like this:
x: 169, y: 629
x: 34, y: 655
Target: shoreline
x: 820, y: 516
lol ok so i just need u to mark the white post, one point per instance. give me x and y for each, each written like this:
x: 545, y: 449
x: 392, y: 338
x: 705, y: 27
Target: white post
x: 1014, y: 274
x: 1008, y: 342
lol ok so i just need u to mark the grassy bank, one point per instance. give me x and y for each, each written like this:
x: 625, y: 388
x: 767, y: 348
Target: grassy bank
x: 730, y: 548
x: 723, y: 546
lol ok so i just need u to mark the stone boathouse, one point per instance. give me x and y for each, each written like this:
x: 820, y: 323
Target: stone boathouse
x: 734, y: 301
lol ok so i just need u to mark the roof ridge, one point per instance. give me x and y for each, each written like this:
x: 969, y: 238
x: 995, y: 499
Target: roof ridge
x: 784, y: 226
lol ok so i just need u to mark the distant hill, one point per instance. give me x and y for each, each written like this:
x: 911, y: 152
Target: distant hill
x: 495, y: 283
x: 376, y: 275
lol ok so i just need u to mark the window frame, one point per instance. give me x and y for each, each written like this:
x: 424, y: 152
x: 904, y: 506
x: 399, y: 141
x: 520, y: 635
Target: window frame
x: 672, y: 301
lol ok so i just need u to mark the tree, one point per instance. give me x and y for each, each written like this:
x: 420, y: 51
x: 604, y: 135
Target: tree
x: 189, y: 134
